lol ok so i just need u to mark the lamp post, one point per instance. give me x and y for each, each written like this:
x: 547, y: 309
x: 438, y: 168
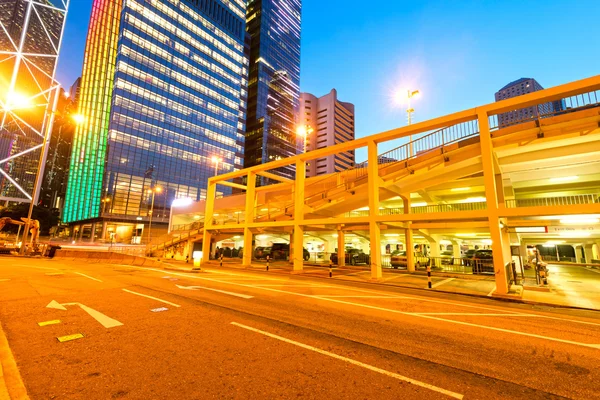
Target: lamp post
x: 216, y: 160
x: 105, y: 201
x: 154, y: 190
x: 304, y: 131
x: 409, y: 111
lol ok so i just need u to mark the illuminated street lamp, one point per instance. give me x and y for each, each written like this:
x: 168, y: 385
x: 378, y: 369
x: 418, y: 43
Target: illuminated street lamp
x: 304, y: 131
x: 409, y: 111
x: 105, y: 201
x: 154, y: 190
x: 216, y: 160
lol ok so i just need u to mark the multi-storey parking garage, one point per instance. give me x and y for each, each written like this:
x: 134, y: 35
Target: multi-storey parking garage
x: 464, y: 184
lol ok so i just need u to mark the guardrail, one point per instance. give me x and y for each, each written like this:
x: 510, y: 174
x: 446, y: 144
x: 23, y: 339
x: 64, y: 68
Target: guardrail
x: 554, y: 201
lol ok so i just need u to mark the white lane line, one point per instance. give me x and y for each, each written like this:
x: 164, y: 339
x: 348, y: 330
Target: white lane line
x: 153, y: 298
x: 360, y: 296
x: 308, y: 286
x: 354, y: 362
x: 492, y: 291
x: 473, y: 314
x: 442, y: 282
x: 89, y: 277
x: 421, y: 299
x: 593, y: 270
x: 243, y: 296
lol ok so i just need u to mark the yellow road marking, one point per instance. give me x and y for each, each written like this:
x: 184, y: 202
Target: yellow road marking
x: 53, y: 322
x: 69, y: 337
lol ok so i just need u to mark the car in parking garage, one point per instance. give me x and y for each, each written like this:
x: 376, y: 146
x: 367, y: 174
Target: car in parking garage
x: 483, y: 262
x: 353, y: 257
x: 398, y: 259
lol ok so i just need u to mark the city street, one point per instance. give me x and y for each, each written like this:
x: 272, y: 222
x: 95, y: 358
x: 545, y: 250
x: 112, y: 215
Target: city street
x: 223, y: 333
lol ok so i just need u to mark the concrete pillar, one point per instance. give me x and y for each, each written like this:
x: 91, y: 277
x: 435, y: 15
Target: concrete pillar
x: 374, y: 229
x: 73, y: 233
x: 589, y: 253
x: 523, y: 253
x: 491, y: 194
x: 249, y: 217
x: 434, y: 250
x: 291, y: 254
x: 408, y: 236
x: 456, y: 254
x: 247, y: 257
x: 81, y: 227
x: 93, y: 235
x: 104, y: 229
x: 298, y: 241
x: 208, y: 220
x: 341, y: 247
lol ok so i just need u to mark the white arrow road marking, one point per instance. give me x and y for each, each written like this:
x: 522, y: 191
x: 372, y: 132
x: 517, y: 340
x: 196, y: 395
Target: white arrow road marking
x: 153, y: 298
x: 243, y: 296
x: 104, y: 320
x: 89, y: 277
x: 355, y: 362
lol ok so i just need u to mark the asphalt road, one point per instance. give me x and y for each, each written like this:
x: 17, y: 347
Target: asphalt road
x: 229, y: 334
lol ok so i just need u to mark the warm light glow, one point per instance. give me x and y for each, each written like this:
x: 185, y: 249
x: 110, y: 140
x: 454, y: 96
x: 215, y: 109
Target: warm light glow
x: 461, y: 189
x: 391, y: 234
x: 474, y: 200
x: 487, y: 241
x: 301, y: 131
x: 216, y: 159
x: 181, y: 202
x: 579, y: 220
x: 17, y: 100
x: 422, y: 204
x: 78, y: 118
x: 564, y: 179
x: 575, y: 234
x: 466, y: 234
x: 264, y: 209
x: 196, y: 217
x: 531, y: 229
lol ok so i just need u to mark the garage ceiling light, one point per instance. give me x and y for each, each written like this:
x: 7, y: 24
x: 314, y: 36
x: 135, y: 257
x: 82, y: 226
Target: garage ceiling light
x: 578, y: 220
x: 531, y: 229
x: 564, y: 179
x: 462, y: 189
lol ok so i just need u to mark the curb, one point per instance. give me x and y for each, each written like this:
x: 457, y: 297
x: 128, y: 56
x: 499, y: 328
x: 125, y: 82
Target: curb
x: 11, y: 383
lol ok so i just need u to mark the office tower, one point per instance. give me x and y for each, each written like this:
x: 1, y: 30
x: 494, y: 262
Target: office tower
x: 163, y: 91
x: 327, y: 121
x: 30, y: 41
x: 274, y: 82
x: 520, y: 87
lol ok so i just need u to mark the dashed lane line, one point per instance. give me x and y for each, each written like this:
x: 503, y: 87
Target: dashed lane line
x: 354, y: 362
x: 412, y: 314
x: 150, y: 297
x: 89, y: 277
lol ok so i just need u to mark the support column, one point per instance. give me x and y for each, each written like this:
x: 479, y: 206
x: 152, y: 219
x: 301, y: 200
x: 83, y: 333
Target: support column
x: 589, y: 253
x: 491, y: 194
x: 81, y: 228
x: 341, y: 247
x: 104, y: 229
x: 299, y: 184
x: 374, y: 229
x: 208, y: 220
x: 291, y: 254
x: 74, y: 233
x: 249, y: 217
x: 434, y: 251
x: 408, y: 237
x: 93, y: 235
x: 456, y: 251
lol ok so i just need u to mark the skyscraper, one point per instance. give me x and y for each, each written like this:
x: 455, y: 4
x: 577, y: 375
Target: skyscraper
x: 30, y: 41
x: 274, y: 82
x: 327, y: 122
x: 520, y: 87
x: 163, y: 91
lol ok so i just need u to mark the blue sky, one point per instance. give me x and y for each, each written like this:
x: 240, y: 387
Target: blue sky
x: 457, y: 53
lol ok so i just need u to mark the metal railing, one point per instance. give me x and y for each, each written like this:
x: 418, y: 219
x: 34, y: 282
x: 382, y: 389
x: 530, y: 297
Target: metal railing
x: 545, y: 110
x: 554, y: 201
x: 431, y: 141
x: 434, y: 208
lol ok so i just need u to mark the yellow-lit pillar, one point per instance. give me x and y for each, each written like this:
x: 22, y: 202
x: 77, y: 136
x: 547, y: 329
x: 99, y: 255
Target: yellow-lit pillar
x: 299, y: 184
x: 491, y: 194
x: 434, y: 250
x: 249, y: 217
x: 408, y: 237
x: 341, y: 247
x: 208, y: 219
x: 589, y: 253
x: 374, y: 229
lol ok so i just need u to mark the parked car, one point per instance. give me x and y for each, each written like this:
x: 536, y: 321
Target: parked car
x: 468, y: 257
x: 483, y: 262
x: 447, y: 257
x: 281, y: 251
x: 398, y: 259
x: 262, y: 252
x: 352, y: 257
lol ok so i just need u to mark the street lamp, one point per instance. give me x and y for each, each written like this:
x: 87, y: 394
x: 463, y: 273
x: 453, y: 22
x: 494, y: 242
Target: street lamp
x: 409, y: 111
x: 105, y: 201
x: 216, y: 160
x: 154, y: 190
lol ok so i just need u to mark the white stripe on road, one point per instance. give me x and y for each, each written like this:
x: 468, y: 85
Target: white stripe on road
x: 153, y: 298
x: 354, y: 362
x: 243, y: 296
x: 473, y: 314
x: 308, y: 286
x: 493, y: 290
x: 596, y: 346
x: 442, y: 282
x: 360, y: 296
x: 89, y: 277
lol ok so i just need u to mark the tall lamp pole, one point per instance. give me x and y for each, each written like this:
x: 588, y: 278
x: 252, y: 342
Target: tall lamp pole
x: 410, y: 94
x: 304, y: 131
x: 154, y: 190
x: 216, y: 160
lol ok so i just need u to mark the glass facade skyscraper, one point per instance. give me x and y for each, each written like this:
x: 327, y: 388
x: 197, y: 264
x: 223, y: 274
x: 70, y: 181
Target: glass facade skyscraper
x: 163, y: 91
x: 274, y: 82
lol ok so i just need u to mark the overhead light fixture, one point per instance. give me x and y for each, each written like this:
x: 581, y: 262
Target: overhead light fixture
x: 391, y: 234
x: 264, y: 209
x: 466, y: 234
x: 335, y: 235
x: 487, y: 241
x: 421, y: 204
x: 578, y: 220
x: 461, y: 189
x: 196, y: 217
x: 236, y: 237
x: 531, y: 229
x: 474, y: 200
x: 564, y: 179
x: 552, y: 243
x: 575, y: 234
x: 261, y: 237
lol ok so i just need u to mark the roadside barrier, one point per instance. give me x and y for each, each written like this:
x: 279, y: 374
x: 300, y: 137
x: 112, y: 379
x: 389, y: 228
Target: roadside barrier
x: 221, y: 261
x: 429, y: 276
x: 268, y: 258
x: 330, y: 269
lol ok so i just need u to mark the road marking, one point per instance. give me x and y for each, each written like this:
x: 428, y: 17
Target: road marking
x: 104, y: 320
x: 492, y: 291
x: 442, y: 282
x: 153, y: 298
x: 421, y: 299
x: 53, y: 322
x: 473, y: 314
x: 360, y: 296
x: 243, y: 296
x: 54, y: 273
x: 354, y: 362
x: 89, y: 277
x: 308, y: 286
x: 160, y: 309
x: 69, y: 337
x: 593, y: 270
